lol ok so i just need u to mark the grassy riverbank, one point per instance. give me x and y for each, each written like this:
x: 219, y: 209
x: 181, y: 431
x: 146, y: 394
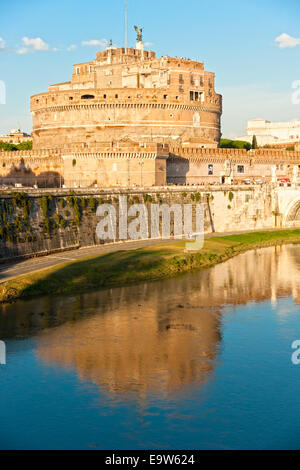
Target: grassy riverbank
x: 127, y: 267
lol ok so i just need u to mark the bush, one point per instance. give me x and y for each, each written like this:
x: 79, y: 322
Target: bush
x: 92, y: 204
x: 234, y: 144
x: 13, y: 147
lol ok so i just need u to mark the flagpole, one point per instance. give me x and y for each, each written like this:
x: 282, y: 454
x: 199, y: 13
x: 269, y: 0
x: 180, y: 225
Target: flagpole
x: 125, y: 25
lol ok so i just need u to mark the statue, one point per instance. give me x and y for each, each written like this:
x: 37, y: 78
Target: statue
x: 139, y: 34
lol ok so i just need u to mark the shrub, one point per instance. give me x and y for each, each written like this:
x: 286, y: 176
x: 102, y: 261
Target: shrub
x: 234, y: 144
x: 92, y: 204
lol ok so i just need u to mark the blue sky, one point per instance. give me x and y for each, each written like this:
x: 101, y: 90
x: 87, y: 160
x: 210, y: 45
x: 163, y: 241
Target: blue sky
x: 235, y: 38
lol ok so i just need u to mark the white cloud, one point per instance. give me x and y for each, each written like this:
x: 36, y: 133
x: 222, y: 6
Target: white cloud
x: 96, y: 43
x: 148, y: 44
x: 285, y: 40
x: 2, y: 45
x: 72, y: 47
x: 36, y: 43
x: 23, y: 51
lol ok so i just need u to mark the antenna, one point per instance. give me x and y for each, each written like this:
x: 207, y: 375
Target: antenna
x: 125, y: 25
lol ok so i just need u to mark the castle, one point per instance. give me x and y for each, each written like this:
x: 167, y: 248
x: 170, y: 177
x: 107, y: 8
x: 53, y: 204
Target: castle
x: 129, y: 94
x: 131, y: 119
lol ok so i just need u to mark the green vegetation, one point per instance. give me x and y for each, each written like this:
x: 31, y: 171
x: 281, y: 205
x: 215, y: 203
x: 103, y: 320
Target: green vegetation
x: 92, y: 204
x: 14, y: 217
x: 14, y: 147
x: 254, y: 142
x: 45, y: 206
x: 145, y: 264
x: 234, y: 144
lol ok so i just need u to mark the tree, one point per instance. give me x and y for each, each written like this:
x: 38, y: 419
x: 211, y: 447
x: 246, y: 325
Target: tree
x: 27, y: 145
x: 234, y: 144
x: 254, y: 142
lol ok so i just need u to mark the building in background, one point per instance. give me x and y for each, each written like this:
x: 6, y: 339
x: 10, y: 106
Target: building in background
x: 15, y: 136
x: 272, y: 133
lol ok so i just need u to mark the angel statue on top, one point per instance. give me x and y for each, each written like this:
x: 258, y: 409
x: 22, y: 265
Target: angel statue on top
x: 139, y: 34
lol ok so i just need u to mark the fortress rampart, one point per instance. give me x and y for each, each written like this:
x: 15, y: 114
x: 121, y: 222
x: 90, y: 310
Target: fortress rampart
x: 126, y: 164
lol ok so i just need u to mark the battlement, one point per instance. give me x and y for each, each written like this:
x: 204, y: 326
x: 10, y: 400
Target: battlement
x: 123, y: 56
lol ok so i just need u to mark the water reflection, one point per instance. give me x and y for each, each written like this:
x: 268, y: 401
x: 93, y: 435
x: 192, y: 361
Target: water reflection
x: 161, y: 336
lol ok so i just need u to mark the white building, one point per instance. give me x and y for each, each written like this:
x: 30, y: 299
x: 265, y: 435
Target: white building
x: 268, y: 133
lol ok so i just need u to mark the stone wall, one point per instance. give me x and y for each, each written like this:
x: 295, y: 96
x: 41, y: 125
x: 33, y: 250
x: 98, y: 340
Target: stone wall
x: 41, y: 221
x: 131, y: 164
x: 191, y: 165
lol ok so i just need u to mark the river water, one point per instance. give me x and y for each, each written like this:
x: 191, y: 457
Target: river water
x: 198, y: 362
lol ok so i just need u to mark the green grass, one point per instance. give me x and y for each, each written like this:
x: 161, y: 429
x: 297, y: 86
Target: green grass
x: 128, y: 267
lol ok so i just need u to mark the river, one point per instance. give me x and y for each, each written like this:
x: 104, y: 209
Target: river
x: 202, y: 361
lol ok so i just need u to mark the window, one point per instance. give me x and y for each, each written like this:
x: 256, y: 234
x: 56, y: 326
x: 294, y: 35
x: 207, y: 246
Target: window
x: 116, y: 96
x: 104, y: 96
x: 181, y: 89
x: 87, y: 97
x: 90, y: 68
x: 77, y: 70
x: 241, y: 169
x: 196, y: 96
x: 180, y: 78
x: 210, y: 170
x: 165, y: 97
x: 70, y: 98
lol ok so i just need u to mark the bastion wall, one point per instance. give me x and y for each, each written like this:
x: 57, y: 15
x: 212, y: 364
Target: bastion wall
x: 42, y: 221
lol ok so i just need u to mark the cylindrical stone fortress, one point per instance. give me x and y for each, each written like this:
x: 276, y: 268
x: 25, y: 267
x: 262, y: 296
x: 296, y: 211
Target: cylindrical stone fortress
x: 129, y: 95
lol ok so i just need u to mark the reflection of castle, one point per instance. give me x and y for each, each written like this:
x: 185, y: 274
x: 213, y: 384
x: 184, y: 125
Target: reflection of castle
x: 136, y: 345
x: 144, y: 338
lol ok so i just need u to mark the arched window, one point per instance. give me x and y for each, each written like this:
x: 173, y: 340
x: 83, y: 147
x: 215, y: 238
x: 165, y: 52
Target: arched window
x: 87, y: 97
